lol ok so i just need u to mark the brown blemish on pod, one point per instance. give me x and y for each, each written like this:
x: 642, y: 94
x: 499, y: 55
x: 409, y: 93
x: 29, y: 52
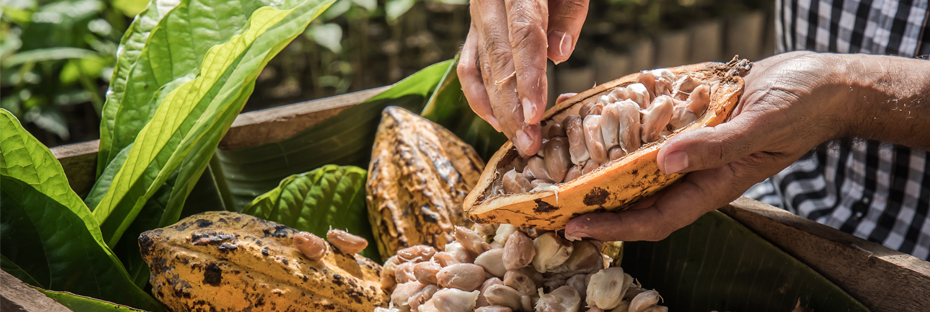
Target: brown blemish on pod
x: 614, y: 175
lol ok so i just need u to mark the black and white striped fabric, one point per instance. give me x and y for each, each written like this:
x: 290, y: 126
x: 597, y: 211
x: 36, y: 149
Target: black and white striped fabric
x: 874, y: 190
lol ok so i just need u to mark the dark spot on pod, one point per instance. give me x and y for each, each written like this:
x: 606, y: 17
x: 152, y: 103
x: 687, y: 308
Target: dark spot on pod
x: 226, y: 247
x: 337, y: 279
x: 182, y: 226
x: 203, y: 223
x: 182, y: 293
x: 597, y: 196
x: 279, y: 231
x: 542, y: 206
x: 212, y: 275
x: 158, y: 265
x: 146, y: 243
x: 265, y: 251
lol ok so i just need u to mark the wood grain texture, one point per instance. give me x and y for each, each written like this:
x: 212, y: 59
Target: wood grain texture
x: 17, y: 296
x: 881, y: 278
x: 79, y: 161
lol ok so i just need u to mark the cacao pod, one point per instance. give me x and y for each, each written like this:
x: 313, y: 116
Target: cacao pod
x: 615, y: 184
x: 418, y: 178
x: 226, y: 261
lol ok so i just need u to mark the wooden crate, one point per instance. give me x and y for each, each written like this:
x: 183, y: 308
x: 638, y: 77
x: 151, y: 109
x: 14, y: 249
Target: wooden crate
x: 880, y: 278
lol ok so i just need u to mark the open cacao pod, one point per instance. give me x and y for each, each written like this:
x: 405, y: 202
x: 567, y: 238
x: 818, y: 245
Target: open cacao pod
x: 629, y: 171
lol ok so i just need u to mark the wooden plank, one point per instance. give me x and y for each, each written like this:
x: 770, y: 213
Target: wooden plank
x: 79, y: 161
x: 279, y: 123
x: 17, y: 296
x: 249, y: 129
x: 880, y: 278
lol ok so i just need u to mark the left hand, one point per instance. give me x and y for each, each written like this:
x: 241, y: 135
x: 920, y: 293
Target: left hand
x: 791, y: 103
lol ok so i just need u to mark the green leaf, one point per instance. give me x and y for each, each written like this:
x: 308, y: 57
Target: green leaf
x: 368, y: 5
x: 718, y: 264
x: 49, y: 237
x: 330, y: 196
x: 344, y: 139
x: 449, y: 108
x: 393, y: 9
x: 187, y: 126
x: 130, y: 48
x: 327, y: 35
x: 130, y: 7
x: 83, y: 303
x: 50, y: 54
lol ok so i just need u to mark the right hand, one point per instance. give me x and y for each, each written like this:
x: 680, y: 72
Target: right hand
x: 503, y: 63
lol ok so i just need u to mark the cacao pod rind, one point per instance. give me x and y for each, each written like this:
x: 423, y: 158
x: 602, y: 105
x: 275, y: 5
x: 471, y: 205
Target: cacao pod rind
x: 418, y: 178
x: 226, y: 261
x: 614, y: 186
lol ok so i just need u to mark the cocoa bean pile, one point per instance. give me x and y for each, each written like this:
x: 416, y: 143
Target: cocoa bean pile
x: 617, y: 124
x: 514, y: 272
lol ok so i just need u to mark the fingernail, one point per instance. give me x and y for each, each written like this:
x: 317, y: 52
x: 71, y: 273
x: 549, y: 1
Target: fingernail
x: 676, y: 162
x: 565, y: 46
x: 529, y: 111
x: 493, y: 121
x: 576, y: 236
x: 522, y: 142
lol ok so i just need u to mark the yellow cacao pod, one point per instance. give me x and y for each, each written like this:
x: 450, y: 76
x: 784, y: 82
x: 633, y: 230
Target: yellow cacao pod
x: 418, y: 178
x: 226, y: 261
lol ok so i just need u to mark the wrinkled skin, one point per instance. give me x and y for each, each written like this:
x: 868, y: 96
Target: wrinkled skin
x: 503, y: 62
x: 791, y: 103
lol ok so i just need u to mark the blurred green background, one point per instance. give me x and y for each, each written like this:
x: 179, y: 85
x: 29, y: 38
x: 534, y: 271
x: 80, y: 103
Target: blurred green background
x: 56, y: 57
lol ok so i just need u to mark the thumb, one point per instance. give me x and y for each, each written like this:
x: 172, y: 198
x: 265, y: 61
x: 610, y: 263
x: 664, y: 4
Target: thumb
x: 710, y: 147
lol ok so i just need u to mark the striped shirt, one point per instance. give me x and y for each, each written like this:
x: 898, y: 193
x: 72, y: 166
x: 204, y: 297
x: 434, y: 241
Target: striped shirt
x: 875, y: 190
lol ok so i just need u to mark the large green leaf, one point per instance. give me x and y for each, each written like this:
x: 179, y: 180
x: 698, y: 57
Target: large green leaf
x: 344, y: 139
x: 718, y: 264
x: 330, y: 196
x: 48, y: 237
x: 189, y: 121
x: 448, y: 107
x: 130, y: 48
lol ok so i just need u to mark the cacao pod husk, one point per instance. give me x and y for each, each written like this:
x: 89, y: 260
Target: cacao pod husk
x: 613, y: 186
x: 227, y: 261
x: 418, y: 178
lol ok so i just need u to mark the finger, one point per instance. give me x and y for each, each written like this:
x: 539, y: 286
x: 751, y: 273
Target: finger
x: 527, y: 21
x: 564, y: 96
x: 470, y: 77
x: 498, y: 73
x: 565, y: 20
x: 711, y: 147
x: 681, y: 204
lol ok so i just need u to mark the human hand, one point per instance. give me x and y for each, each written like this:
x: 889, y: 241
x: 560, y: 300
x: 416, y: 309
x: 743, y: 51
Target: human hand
x: 503, y: 63
x: 791, y: 103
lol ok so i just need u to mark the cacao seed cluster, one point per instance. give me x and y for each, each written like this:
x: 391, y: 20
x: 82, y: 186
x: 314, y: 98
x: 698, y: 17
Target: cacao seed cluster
x: 617, y: 124
x: 504, y: 269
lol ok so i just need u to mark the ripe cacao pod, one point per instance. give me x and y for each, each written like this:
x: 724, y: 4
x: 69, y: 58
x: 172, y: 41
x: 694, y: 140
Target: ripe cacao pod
x: 418, y: 178
x: 226, y: 261
x: 615, y: 184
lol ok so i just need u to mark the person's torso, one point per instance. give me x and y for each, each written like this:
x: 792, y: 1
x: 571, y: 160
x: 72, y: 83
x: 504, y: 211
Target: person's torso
x: 874, y: 190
